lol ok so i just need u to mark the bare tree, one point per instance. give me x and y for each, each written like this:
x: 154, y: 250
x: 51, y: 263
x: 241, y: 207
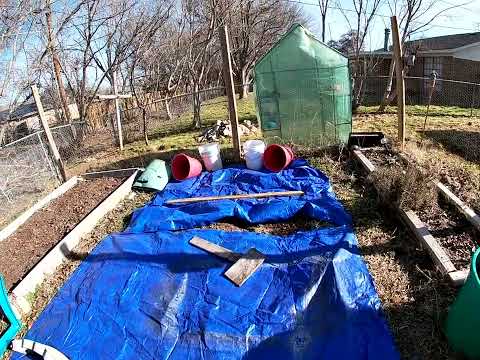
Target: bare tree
x: 365, y: 12
x: 201, y: 21
x: 323, y: 4
x: 254, y: 27
x: 144, y: 29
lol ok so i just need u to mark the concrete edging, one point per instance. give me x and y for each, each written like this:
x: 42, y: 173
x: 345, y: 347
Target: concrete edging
x: 49, y: 263
x: 420, y: 230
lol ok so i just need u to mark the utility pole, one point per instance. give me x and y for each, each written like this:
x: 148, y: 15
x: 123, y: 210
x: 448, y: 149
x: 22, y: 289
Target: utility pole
x: 48, y: 133
x: 57, y: 67
x: 232, y: 102
x: 400, y: 81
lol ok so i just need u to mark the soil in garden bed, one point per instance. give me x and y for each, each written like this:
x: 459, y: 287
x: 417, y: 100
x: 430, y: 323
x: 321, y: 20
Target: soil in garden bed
x: 22, y: 250
x: 454, y: 233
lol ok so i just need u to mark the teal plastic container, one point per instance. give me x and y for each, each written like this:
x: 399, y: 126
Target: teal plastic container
x: 463, y: 321
x: 154, y: 178
x: 14, y: 323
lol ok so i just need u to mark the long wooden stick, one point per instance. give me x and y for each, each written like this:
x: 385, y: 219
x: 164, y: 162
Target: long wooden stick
x: 397, y: 52
x: 234, y: 197
x: 48, y: 133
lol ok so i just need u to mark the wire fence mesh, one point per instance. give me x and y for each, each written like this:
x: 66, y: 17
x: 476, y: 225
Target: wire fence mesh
x: 28, y: 172
x: 460, y: 98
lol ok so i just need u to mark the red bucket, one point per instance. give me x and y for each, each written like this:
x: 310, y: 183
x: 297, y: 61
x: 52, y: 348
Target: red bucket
x: 184, y: 167
x: 277, y: 157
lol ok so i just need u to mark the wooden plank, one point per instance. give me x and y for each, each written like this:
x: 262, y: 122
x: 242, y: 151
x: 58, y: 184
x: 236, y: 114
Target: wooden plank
x: 458, y: 278
x: 48, y: 133
x: 214, y: 249
x: 438, y: 254
x: 466, y: 210
x: 49, y: 263
x: 367, y: 164
x: 400, y: 81
x: 235, y: 197
x: 14, y: 225
x: 230, y: 89
x: 239, y: 272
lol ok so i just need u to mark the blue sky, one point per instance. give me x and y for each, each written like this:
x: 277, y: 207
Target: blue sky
x: 462, y: 19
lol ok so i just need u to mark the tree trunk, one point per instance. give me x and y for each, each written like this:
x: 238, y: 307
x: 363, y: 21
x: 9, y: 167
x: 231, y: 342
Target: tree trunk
x: 243, y: 93
x: 57, y: 73
x: 196, y: 107
x: 388, y: 91
x: 357, y: 91
x: 145, y: 130
x: 323, y: 28
x: 167, y: 109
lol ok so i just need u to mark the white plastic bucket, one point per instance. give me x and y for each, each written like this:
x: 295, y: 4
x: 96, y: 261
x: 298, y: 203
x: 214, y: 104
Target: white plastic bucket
x: 253, y: 146
x: 253, y: 150
x: 254, y: 161
x: 211, y: 157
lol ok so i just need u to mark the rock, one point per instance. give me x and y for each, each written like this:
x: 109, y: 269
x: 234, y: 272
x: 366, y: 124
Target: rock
x: 243, y: 130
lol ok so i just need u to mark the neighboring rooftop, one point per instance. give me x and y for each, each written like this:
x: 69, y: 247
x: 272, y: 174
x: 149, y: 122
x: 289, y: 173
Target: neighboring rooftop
x: 445, y: 42
x: 22, y: 111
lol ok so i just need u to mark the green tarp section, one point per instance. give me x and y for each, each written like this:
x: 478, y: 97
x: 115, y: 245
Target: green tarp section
x: 303, y: 91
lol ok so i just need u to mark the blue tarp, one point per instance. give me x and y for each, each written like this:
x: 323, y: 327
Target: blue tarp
x: 148, y: 294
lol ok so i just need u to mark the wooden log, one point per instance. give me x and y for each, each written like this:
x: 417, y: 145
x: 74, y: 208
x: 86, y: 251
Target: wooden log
x: 214, y: 249
x: 239, y: 272
x: 234, y: 197
x: 438, y: 254
x: 467, y: 211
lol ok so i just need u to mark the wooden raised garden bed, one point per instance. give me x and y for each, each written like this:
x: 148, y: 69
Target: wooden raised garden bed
x: 40, y: 239
x: 447, y: 232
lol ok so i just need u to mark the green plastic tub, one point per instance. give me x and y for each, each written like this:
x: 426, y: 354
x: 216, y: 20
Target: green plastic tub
x: 463, y: 321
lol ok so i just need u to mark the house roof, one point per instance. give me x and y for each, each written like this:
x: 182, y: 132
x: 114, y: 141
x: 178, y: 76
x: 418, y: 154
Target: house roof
x: 22, y: 111
x: 446, y: 42
x: 438, y: 45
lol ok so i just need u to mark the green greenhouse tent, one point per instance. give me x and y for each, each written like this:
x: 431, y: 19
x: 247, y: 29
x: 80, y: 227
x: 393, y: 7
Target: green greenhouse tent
x: 303, y: 91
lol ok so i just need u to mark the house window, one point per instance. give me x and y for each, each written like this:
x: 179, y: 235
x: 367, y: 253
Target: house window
x: 430, y: 65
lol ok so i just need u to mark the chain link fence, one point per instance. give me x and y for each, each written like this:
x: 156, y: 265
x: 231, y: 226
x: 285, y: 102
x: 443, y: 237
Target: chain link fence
x: 462, y: 95
x: 165, y: 115
x: 28, y: 172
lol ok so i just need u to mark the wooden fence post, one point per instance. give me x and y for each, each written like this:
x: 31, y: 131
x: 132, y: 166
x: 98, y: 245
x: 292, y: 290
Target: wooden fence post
x: 230, y: 89
x: 46, y: 128
x: 400, y: 81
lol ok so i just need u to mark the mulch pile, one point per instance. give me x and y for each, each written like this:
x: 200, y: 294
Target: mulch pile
x: 22, y: 250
